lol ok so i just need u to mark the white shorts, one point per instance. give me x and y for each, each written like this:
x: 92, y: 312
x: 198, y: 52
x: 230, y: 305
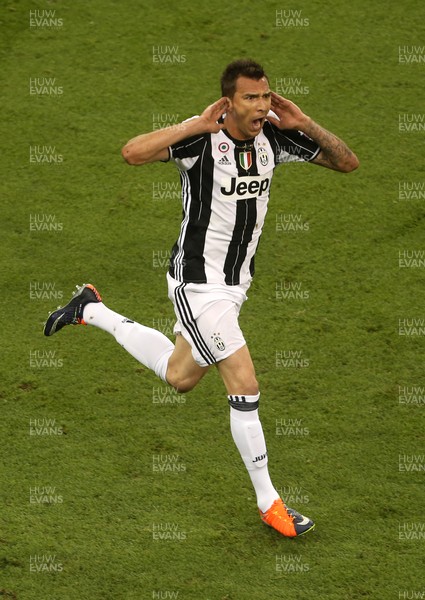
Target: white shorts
x: 207, y: 317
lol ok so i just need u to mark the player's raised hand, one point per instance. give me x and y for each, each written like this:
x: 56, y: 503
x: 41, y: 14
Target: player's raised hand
x: 212, y: 113
x: 290, y: 115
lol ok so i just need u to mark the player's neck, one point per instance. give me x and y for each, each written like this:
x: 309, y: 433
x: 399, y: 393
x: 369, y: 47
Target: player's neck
x: 234, y: 131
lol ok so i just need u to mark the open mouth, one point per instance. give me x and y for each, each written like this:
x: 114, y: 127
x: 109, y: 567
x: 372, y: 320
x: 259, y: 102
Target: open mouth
x: 257, y: 124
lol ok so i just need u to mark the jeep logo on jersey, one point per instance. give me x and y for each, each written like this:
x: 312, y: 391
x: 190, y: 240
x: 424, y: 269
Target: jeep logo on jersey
x: 238, y: 188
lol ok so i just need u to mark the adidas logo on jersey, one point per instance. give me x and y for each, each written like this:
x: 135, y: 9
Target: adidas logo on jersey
x: 224, y: 161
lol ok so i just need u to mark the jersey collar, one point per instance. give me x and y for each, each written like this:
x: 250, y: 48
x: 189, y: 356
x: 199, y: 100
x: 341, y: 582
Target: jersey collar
x: 242, y: 144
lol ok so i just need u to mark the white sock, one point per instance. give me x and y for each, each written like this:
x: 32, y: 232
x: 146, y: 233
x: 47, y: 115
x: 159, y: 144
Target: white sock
x: 249, y: 438
x: 149, y: 346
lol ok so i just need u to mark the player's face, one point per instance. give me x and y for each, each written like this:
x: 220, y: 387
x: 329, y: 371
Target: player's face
x: 248, y: 108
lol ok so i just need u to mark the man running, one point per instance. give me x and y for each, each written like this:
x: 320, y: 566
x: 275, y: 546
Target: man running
x: 226, y: 158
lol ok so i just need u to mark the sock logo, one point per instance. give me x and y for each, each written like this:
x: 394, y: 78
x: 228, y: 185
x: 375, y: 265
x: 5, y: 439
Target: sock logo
x: 261, y: 457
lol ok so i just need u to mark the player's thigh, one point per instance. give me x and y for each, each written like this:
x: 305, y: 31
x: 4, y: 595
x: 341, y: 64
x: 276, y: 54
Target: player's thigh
x: 238, y: 373
x: 183, y: 373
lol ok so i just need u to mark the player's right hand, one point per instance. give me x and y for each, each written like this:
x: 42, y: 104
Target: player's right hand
x: 212, y: 113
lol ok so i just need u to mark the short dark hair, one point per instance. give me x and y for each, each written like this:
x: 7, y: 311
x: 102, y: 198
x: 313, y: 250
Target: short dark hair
x: 239, y: 68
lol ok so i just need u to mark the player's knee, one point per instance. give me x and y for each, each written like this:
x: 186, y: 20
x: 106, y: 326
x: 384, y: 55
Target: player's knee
x: 255, y: 389
x: 251, y: 387
x: 247, y: 386
x: 182, y: 385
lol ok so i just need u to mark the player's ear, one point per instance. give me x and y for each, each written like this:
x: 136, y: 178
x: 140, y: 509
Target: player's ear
x: 229, y: 104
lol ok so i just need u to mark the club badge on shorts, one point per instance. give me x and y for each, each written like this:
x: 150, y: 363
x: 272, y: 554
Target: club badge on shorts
x: 245, y: 160
x: 218, y: 342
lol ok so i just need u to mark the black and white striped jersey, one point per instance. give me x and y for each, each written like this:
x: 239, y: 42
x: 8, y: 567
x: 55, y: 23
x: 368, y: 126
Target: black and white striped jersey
x: 225, y: 190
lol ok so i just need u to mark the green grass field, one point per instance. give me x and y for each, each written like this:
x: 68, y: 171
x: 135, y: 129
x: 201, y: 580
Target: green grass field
x: 113, y: 487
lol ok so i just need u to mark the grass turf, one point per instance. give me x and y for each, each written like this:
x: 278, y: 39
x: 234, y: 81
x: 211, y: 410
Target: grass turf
x: 116, y: 527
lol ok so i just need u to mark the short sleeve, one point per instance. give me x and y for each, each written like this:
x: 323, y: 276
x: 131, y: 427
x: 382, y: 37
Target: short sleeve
x: 190, y: 147
x: 291, y: 145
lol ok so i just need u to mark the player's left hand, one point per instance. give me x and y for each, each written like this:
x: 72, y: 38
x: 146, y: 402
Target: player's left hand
x: 290, y: 115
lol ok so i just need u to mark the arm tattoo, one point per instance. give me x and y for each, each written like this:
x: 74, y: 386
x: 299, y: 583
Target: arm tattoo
x: 335, y: 153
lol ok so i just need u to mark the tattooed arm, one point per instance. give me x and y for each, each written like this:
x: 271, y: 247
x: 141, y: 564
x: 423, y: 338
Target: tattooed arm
x: 334, y: 153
